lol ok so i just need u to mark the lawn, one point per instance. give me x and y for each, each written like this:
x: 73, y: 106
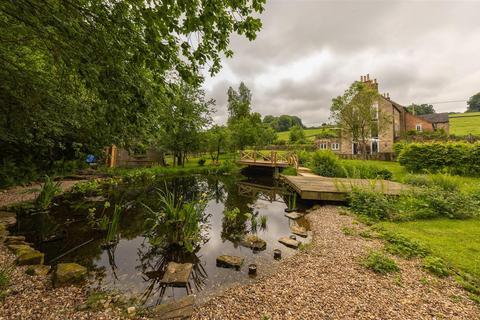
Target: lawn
x: 456, y: 241
x: 465, y: 123
x: 309, y: 133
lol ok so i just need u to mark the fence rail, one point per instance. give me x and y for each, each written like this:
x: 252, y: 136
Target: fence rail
x: 269, y: 158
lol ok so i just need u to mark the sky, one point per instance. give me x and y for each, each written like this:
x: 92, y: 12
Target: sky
x: 309, y: 52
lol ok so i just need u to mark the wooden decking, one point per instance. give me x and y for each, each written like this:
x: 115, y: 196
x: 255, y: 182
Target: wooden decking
x: 313, y: 187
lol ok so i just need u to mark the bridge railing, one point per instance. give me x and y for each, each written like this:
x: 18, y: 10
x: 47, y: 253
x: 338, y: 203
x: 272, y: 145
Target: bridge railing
x: 275, y: 158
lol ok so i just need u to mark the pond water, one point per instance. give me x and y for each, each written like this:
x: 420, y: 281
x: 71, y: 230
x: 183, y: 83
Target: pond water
x: 133, y: 266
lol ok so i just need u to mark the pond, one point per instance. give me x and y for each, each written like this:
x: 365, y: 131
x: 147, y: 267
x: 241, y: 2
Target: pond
x: 133, y: 266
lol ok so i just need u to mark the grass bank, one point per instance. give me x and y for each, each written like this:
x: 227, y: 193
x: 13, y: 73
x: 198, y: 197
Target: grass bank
x: 465, y: 123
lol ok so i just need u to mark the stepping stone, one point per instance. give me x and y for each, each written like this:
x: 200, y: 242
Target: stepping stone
x: 37, y: 270
x: 229, y: 261
x: 68, y: 273
x: 177, y: 274
x: 299, y: 231
x: 19, y: 249
x: 30, y: 257
x: 254, y: 242
x: 289, y: 242
x: 294, y: 215
x: 180, y: 309
x: 14, y: 238
x: 8, y: 218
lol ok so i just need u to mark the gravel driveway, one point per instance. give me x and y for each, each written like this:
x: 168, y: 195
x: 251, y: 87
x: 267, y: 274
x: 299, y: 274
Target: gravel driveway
x: 328, y: 282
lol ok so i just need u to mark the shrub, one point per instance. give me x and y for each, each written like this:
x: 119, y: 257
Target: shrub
x: 325, y: 163
x: 363, y: 170
x: 380, y: 263
x: 49, y: 190
x: 453, y: 157
x: 201, y: 162
x: 370, y: 203
x: 436, y: 266
x: 403, y: 247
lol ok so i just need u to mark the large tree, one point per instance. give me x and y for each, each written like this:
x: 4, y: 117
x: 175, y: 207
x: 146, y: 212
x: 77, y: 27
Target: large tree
x: 239, y: 103
x: 79, y: 75
x: 474, y: 103
x: 357, y: 113
x: 420, y: 109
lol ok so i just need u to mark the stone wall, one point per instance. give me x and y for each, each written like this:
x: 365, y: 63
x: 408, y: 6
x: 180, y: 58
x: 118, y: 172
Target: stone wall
x: 411, y: 122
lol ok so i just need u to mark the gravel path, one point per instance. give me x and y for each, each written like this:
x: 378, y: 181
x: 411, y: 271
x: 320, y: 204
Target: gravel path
x: 328, y: 282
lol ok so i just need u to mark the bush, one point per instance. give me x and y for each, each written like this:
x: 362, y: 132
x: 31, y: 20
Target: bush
x: 436, y: 266
x: 325, y: 163
x: 201, y: 162
x: 453, y: 157
x: 370, y: 203
x: 380, y: 263
x: 363, y: 170
x: 290, y: 171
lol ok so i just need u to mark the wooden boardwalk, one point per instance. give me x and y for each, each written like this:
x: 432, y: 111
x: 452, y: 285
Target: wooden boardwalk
x: 313, y: 187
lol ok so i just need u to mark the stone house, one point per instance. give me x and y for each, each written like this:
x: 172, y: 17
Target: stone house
x: 398, y: 121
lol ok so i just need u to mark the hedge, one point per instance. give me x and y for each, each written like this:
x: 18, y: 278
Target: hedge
x: 454, y: 157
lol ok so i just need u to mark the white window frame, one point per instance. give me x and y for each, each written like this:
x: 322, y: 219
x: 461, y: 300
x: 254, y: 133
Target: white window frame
x: 418, y: 127
x: 335, y: 146
x: 378, y: 145
x: 375, y: 106
x: 323, y: 146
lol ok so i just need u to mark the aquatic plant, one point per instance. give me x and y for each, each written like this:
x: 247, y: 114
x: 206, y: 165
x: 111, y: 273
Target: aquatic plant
x: 253, y: 223
x: 263, y: 222
x: 49, y: 190
x: 178, y: 223
x: 113, y: 226
x: 234, y: 225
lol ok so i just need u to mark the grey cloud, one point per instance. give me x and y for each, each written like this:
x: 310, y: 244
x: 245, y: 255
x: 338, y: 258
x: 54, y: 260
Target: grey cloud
x: 420, y: 51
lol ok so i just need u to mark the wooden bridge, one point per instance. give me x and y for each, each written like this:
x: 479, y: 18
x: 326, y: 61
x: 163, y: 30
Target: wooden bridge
x: 263, y: 192
x: 272, y: 159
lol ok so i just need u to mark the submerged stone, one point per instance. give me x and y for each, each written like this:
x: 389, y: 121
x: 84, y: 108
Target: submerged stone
x: 254, y: 242
x: 229, y: 261
x: 37, y: 270
x: 177, y: 274
x: 30, y: 257
x: 68, y: 273
x: 299, y: 231
x: 180, y: 309
x: 294, y: 215
x: 289, y: 242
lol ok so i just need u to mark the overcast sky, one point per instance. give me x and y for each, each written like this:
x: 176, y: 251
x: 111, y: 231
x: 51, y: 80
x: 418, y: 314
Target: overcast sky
x: 310, y: 51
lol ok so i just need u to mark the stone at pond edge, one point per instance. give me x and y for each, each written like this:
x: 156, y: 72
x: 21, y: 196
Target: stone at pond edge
x: 294, y: 215
x: 254, y: 242
x: 229, y: 261
x: 177, y: 274
x: 37, y: 270
x: 68, y: 273
x: 14, y: 238
x: 19, y: 249
x: 8, y: 218
x: 180, y: 309
x: 299, y: 231
x: 30, y: 257
x: 289, y: 242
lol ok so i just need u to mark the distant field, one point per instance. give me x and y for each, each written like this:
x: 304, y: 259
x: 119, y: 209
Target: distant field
x: 309, y: 133
x: 465, y: 123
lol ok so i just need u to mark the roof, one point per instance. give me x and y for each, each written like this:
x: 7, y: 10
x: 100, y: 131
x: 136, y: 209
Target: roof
x: 435, y: 117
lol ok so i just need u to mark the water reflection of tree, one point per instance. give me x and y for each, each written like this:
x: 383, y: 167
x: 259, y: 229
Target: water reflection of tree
x: 153, y: 264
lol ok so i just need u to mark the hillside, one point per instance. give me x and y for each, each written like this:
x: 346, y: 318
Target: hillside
x: 309, y: 133
x: 465, y: 123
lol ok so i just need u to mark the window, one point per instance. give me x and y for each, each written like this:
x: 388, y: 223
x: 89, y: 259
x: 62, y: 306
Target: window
x: 375, y: 111
x: 375, y: 147
x: 419, y: 127
x: 335, y: 146
x: 323, y: 146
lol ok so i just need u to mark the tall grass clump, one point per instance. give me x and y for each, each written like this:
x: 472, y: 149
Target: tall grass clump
x: 112, y: 230
x: 177, y: 223
x: 5, y: 277
x: 370, y: 203
x: 365, y: 170
x: 49, y: 190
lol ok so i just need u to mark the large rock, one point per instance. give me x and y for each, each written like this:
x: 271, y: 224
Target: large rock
x: 37, y: 270
x: 294, y: 215
x: 177, y: 274
x: 19, y: 249
x: 289, y: 242
x: 68, y: 273
x: 299, y: 231
x: 229, y: 261
x: 254, y: 242
x: 8, y: 218
x: 30, y: 257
